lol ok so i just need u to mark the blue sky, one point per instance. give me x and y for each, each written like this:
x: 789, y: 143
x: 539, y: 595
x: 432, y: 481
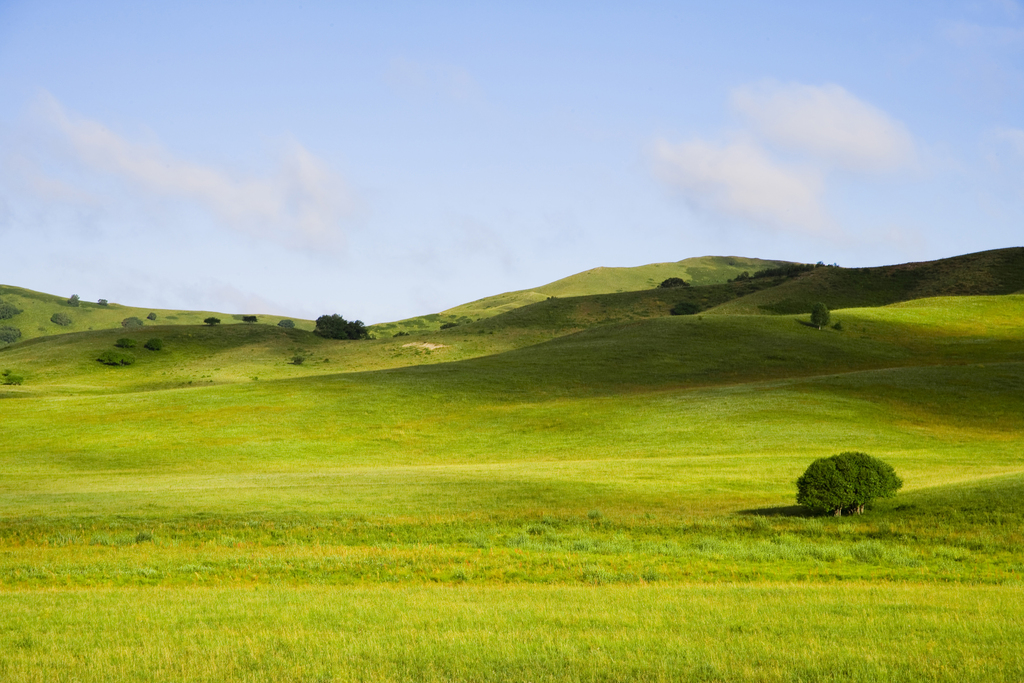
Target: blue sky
x: 384, y: 160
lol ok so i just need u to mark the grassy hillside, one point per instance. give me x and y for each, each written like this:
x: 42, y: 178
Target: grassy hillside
x: 1000, y: 271
x: 704, y: 270
x: 38, y: 308
x: 582, y: 487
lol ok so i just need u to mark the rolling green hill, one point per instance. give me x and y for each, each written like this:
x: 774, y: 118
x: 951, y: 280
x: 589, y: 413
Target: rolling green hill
x: 704, y: 270
x: 610, y: 484
x: 37, y: 309
x: 999, y: 271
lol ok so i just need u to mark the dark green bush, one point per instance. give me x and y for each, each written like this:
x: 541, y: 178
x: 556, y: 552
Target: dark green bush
x: 9, y: 335
x: 448, y: 326
x: 249, y: 319
x: 125, y: 343
x: 673, y: 282
x: 154, y: 344
x: 8, y: 310
x: 847, y: 481
x: 685, y: 308
x: 151, y: 316
x: 116, y: 358
x: 8, y: 377
x: 287, y: 324
x: 62, y: 319
x: 212, y: 321
x: 131, y: 322
x: 74, y: 300
x: 102, y: 302
x: 298, y: 360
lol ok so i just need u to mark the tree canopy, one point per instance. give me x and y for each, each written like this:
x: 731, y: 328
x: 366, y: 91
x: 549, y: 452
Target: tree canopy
x: 212, y: 321
x: 336, y: 327
x: 673, y: 282
x: 847, y: 481
x: 820, y: 315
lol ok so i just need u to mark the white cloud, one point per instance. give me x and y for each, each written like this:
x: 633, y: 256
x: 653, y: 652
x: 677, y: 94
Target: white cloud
x: 740, y: 180
x: 302, y: 204
x: 827, y: 123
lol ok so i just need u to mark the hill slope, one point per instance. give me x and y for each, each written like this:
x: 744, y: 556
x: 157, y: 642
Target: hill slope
x: 699, y: 271
x: 999, y: 271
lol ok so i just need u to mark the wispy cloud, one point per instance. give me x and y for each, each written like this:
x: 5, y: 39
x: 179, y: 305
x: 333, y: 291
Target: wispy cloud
x: 774, y: 171
x: 302, y: 203
x: 740, y: 180
x: 825, y: 122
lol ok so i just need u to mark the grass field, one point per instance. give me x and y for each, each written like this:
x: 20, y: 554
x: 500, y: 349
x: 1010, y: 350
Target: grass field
x: 581, y: 489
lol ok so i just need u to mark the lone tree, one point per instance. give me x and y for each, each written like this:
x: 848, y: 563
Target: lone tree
x: 74, y: 300
x: 62, y: 319
x: 335, y: 327
x: 673, y: 282
x: 287, y: 324
x: 820, y: 315
x: 249, y: 319
x: 103, y: 302
x: 847, y: 481
x: 133, y: 321
x: 212, y: 321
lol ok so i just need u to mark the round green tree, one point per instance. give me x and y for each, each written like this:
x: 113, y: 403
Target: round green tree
x: 820, y: 315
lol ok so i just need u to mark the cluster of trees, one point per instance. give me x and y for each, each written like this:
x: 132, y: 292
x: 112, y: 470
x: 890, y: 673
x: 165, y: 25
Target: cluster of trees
x: 845, y: 482
x: 673, y: 282
x: 336, y: 327
x: 8, y: 310
x: 9, y: 335
x: 121, y: 357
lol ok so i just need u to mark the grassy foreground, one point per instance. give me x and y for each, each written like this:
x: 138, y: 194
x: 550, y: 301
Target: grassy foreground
x: 717, y: 632
x: 614, y: 502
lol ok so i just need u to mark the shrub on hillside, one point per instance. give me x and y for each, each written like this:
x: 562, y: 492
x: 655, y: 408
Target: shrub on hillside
x: 298, y: 359
x: 287, y: 324
x: 103, y: 302
x: 248, y: 319
x: 155, y: 344
x: 448, y: 326
x: 8, y: 377
x: 131, y: 322
x: 116, y: 358
x: 151, y: 316
x: 336, y: 327
x: 674, y: 282
x: 62, y: 319
x: 9, y: 335
x: 685, y: 308
x: 74, y: 300
x: 8, y: 310
x: 125, y: 343
x: 212, y: 321
x: 847, y: 481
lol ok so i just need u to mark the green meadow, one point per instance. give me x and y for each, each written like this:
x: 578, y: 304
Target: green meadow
x: 580, y: 488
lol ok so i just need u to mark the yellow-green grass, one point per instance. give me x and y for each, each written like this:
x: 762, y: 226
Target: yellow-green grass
x: 37, y: 309
x: 858, y: 632
x: 614, y: 504
x: 700, y: 271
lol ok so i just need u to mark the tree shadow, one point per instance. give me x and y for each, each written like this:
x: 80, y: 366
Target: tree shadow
x: 779, y: 511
